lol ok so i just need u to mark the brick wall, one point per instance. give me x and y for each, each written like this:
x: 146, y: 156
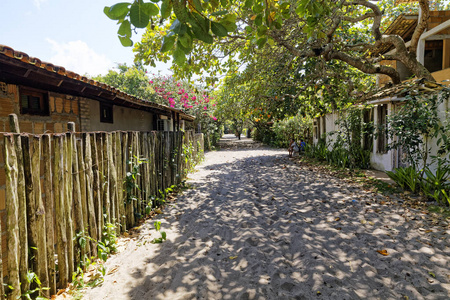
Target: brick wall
x: 63, y: 109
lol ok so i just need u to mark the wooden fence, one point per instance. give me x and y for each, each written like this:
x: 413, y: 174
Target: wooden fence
x: 58, y: 185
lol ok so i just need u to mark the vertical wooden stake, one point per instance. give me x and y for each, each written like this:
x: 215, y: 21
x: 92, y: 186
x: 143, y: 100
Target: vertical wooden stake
x: 12, y: 211
x: 49, y: 221
x: 90, y: 186
x: 68, y: 202
x: 23, y: 234
x: 61, y: 232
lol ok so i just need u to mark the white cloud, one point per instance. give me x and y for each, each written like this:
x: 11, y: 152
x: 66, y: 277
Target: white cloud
x: 76, y: 56
x: 38, y: 3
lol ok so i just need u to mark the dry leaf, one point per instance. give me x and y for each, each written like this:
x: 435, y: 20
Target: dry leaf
x: 363, y: 221
x: 337, y: 219
x: 383, y: 252
x: 427, y: 231
x: 233, y: 257
x: 158, y: 211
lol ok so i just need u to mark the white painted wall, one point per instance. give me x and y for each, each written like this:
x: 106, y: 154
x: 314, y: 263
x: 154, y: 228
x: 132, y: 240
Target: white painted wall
x: 124, y: 119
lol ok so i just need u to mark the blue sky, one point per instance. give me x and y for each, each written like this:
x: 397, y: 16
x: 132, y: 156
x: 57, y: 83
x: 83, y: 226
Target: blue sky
x: 74, y: 34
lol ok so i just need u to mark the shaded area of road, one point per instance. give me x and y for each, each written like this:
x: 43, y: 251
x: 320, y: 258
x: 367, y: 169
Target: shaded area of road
x: 256, y: 225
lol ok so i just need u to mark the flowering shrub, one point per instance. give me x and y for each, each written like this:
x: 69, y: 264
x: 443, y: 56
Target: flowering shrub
x: 191, y: 99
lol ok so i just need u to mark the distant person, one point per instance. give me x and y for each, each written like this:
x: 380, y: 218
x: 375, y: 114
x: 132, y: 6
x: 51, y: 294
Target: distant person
x: 293, y: 147
x: 302, y: 145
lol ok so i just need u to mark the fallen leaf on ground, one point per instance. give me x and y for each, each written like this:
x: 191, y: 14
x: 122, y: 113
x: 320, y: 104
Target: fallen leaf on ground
x: 113, y: 270
x: 432, y: 274
x: 363, y: 221
x: 158, y: 211
x: 233, y: 257
x: 337, y: 219
x: 383, y: 252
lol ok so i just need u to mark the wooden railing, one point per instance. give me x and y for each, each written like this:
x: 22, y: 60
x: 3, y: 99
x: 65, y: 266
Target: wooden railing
x: 58, y: 185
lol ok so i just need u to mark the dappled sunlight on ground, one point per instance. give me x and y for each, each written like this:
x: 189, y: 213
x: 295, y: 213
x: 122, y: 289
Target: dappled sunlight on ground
x: 256, y: 225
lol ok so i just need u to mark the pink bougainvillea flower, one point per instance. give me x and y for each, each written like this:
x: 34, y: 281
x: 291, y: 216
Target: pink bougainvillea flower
x: 151, y: 81
x: 205, y: 108
x: 171, y: 105
x: 178, y: 84
x: 194, y: 98
x: 214, y: 104
x: 214, y: 118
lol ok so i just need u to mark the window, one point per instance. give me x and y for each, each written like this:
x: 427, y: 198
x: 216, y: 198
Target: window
x: 106, y: 113
x: 382, y: 129
x: 367, y: 129
x: 34, y: 102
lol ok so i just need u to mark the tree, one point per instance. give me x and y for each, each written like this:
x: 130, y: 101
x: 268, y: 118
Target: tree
x: 195, y: 31
x: 132, y: 80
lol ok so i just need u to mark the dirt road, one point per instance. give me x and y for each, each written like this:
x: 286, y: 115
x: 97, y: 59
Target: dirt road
x: 256, y: 225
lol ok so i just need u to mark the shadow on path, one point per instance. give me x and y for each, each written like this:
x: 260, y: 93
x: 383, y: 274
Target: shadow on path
x: 258, y: 226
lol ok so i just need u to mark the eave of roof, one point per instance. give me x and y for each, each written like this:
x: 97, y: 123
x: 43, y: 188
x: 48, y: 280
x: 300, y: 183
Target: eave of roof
x: 398, y: 92
x: 19, y: 68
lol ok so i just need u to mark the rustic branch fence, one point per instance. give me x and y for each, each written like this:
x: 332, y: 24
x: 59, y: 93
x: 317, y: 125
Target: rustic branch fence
x: 58, y: 185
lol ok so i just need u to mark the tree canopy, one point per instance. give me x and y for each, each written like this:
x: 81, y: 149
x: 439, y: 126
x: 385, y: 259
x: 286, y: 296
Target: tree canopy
x: 213, y: 35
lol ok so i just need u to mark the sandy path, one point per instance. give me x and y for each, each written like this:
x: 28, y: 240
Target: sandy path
x: 259, y: 226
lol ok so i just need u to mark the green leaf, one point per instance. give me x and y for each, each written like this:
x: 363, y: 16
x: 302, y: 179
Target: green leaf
x: 261, y: 42
x: 186, y: 50
x: 200, y: 34
x: 262, y: 30
x: 258, y: 20
x: 166, y: 9
x: 178, y: 56
x: 117, y: 11
x: 224, y: 2
x: 168, y: 42
x: 138, y: 15
x: 30, y: 276
x: 218, y: 29
x: 163, y: 235
x: 185, y: 40
x: 229, y: 22
x: 176, y: 26
x: 125, y: 29
x: 248, y: 3
x: 219, y: 13
x: 198, y: 5
x: 150, y: 9
x: 257, y: 8
x: 125, y: 41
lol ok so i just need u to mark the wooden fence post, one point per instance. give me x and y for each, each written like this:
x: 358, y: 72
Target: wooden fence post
x: 124, y: 205
x: 23, y: 234
x: 95, y: 143
x: 76, y: 192
x: 35, y: 207
x: 90, y: 186
x: 68, y: 202
x: 49, y: 221
x: 12, y: 215
x: 119, y: 185
x: 112, y: 182
x: 59, y: 194
x: 83, y: 197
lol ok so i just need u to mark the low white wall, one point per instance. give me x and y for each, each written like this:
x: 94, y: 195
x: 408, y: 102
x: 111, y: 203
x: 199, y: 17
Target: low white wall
x: 124, y: 119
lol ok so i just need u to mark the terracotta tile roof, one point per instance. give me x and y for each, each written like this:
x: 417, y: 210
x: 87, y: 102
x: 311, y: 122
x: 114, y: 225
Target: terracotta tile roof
x: 399, y: 91
x: 61, y: 71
